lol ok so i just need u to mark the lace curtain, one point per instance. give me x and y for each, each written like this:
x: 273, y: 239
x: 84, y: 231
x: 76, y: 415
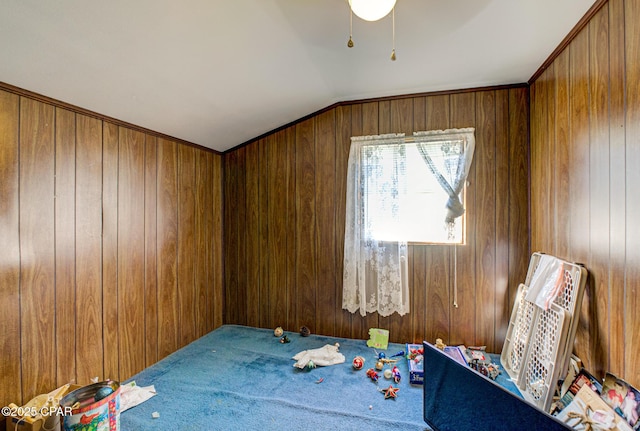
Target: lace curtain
x: 375, y: 271
x: 375, y: 277
x: 454, y: 147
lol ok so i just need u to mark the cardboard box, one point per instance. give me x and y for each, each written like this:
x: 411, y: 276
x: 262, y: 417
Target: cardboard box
x: 416, y: 363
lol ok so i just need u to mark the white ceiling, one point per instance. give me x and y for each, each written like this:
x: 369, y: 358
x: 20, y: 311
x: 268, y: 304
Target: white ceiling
x: 219, y: 73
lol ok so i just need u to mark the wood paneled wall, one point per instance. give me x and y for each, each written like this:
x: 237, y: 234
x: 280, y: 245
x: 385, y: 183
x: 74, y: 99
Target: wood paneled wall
x: 585, y: 205
x: 110, y: 247
x: 285, y: 212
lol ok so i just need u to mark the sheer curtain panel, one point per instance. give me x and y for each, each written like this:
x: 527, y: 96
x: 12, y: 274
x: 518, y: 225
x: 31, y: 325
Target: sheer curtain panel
x: 375, y: 266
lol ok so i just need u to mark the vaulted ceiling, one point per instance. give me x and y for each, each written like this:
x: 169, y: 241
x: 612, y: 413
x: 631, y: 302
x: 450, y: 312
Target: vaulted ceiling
x: 219, y: 73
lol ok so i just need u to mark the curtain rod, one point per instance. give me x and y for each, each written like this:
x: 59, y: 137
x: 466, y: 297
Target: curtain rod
x: 431, y: 135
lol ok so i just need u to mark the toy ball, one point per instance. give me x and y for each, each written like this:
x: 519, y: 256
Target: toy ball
x: 379, y: 365
x: 304, y: 331
x: 381, y: 355
x: 103, y: 393
x: 278, y: 332
x: 358, y: 362
x: 387, y: 373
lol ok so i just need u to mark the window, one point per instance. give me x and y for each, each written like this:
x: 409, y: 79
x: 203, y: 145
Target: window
x: 402, y: 198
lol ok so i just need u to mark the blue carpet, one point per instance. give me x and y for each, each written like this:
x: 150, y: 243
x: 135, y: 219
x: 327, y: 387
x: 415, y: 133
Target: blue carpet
x: 240, y: 378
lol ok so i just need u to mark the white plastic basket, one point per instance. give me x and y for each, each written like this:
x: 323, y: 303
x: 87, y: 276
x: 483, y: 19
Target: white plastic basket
x: 538, y: 378
x: 518, y: 333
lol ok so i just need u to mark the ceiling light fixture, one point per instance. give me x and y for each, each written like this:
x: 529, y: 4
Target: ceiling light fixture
x: 373, y: 10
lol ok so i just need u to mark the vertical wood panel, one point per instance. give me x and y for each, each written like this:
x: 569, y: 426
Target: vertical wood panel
x: 438, y: 257
x: 579, y: 151
x: 239, y: 193
x: 550, y: 136
x: 305, y: 225
x: 89, y: 299
x: 518, y: 188
x: 37, y: 247
x: 545, y: 147
x: 218, y: 267
x: 325, y: 155
x: 277, y: 180
x: 109, y: 261
x: 343, y: 144
x: 599, y: 187
x: 253, y: 235
x: 463, y: 317
x: 263, y: 239
x: 186, y: 238
x: 65, y: 231
x: 534, y: 166
x: 131, y: 252
x: 10, y: 377
x: 617, y: 168
x: 632, y: 288
x: 150, y: 255
x: 562, y: 176
x: 232, y: 224
x: 203, y: 242
x: 503, y: 305
x: 292, y: 287
x: 485, y: 220
x: 168, y: 312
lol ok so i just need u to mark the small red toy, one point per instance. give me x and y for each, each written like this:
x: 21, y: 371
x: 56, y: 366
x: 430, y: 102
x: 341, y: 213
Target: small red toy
x: 371, y: 373
x: 358, y: 362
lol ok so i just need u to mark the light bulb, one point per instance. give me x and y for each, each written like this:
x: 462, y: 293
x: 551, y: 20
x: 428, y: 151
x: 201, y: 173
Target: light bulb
x: 371, y: 10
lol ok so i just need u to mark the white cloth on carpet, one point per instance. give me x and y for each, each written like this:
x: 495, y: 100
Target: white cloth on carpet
x: 323, y: 356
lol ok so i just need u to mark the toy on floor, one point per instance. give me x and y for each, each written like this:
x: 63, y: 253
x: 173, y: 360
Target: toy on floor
x: 278, y: 332
x: 285, y: 339
x: 304, y: 331
x: 416, y: 354
x: 358, y: 363
x: 396, y: 374
x: 382, y: 359
x: 323, y: 356
x: 371, y: 373
x: 486, y: 368
x: 390, y: 392
x: 439, y: 344
x: 387, y: 374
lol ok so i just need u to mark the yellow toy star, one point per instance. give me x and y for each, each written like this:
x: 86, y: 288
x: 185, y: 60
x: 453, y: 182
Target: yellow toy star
x: 390, y: 392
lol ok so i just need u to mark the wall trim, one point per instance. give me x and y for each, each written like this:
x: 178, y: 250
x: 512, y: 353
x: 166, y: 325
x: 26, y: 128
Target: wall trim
x: 568, y: 38
x: 376, y: 99
x: 78, y: 110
